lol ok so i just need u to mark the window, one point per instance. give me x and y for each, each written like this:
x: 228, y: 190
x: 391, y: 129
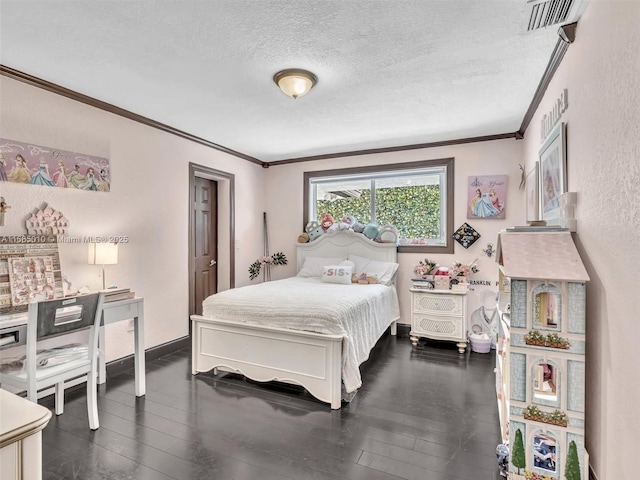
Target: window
x: 416, y: 198
x: 544, y: 382
x: 544, y: 452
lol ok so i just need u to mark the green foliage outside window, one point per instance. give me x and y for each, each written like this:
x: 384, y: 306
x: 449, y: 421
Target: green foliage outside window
x: 414, y: 211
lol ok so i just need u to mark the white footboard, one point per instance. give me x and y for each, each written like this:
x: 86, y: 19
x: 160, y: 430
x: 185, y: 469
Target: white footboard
x: 261, y: 353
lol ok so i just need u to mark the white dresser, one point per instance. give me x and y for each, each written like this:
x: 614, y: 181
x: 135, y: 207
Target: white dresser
x: 21, y: 424
x: 439, y: 315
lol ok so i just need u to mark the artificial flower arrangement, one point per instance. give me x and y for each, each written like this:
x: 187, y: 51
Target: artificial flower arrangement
x: 463, y: 270
x: 278, y: 258
x: 425, y: 267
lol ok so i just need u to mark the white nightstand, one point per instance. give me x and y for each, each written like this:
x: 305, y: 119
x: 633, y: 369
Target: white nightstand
x: 439, y: 315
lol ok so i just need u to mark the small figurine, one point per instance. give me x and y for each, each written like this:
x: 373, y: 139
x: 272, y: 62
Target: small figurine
x: 4, y: 208
x: 489, y: 250
x: 502, y: 452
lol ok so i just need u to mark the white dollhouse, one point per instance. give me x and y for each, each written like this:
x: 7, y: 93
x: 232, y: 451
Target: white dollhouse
x: 540, y: 363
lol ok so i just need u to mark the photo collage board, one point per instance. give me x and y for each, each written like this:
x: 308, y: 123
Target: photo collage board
x: 28, y: 271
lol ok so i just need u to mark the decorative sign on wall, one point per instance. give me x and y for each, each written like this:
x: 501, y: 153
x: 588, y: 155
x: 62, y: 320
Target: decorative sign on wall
x: 466, y: 235
x: 487, y: 196
x: 550, y: 119
x: 37, y: 165
x: 47, y: 221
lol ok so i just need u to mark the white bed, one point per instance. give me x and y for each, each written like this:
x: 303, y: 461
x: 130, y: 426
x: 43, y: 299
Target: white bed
x: 262, y: 331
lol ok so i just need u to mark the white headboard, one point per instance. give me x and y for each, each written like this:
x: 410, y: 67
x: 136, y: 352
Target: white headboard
x: 344, y: 242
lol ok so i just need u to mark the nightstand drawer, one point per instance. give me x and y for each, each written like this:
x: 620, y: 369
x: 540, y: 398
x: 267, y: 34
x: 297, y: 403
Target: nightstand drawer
x: 439, y: 304
x: 438, y: 327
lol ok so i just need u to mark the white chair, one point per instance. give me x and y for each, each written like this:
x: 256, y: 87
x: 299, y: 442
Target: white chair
x: 55, y: 366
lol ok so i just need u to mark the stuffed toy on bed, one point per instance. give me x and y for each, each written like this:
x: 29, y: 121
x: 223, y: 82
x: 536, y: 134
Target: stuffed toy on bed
x: 371, y: 231
x: 347, y: 222
x: 314, y: 230
x: 344, y: 224
x: 326, y: 221
x: 364, y: 279
x: 358, y: 227
x: 387, y: 234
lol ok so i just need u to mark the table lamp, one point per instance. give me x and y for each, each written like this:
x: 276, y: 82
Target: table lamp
x: 103, y: 254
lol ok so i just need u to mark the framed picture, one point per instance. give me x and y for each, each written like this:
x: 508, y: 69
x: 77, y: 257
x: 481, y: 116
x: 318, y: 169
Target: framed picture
x: 553, y: 175
x: 487, y: 196
x: 533, y: 204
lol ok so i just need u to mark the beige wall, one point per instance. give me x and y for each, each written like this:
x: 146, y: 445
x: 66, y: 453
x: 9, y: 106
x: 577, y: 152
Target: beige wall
x: 601, y: 71
x: 148, y: 202
x: 284, y: 185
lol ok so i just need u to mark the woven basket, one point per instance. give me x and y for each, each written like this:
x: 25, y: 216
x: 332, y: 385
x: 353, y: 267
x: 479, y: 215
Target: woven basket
x: 480, y: 345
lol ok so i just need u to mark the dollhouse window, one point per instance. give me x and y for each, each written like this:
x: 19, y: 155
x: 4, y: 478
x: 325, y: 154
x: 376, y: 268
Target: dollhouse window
x: 544, y: 453
x: 545, y: 382
x: 547, y: 307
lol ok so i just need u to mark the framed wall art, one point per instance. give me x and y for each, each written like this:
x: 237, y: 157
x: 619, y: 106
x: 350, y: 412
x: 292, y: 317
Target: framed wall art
x: 31, y: 164
x: 532, y: 189
x: 553, y: 175
x: 487, y: 196
x: 466, y: 235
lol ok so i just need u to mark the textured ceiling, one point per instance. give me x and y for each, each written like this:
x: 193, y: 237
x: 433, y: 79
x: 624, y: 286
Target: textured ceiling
x: 391, y: 73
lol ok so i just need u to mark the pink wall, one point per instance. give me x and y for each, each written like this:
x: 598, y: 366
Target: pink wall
x: 283, y: 189
x: 601, y: 71
x: 148, y: 202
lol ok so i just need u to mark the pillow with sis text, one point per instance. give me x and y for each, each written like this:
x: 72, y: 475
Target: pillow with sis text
x: 337, y: 274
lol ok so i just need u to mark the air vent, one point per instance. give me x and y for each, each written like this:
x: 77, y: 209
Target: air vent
x: 544, y: 13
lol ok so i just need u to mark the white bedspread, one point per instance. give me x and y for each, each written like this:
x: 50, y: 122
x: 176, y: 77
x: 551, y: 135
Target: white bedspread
x: 359, y: 312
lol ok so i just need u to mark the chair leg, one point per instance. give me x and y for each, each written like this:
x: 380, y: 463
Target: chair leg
x: 32, y: 391
x: 92, y: 400
x: 59, y: 397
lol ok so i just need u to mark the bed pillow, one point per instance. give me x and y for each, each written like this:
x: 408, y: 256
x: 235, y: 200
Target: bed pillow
x: 312, y: 266
x: 337, y: 274
x: 348, y: 263
x: 383, y: 271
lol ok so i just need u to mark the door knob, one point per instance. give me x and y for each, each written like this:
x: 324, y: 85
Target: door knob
x: 212, y: 263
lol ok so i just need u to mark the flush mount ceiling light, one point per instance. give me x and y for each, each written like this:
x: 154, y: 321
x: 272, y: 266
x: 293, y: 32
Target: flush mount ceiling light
x: 295, y: 82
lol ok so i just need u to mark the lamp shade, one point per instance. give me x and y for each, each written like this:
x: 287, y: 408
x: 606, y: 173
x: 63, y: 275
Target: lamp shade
x: 103, y: 254
x: 295, y: 82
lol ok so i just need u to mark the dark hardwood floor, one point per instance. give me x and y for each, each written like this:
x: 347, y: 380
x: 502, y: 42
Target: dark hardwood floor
x: 427, y: 413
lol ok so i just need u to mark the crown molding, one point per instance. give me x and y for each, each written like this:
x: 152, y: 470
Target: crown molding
x: 108, y: 107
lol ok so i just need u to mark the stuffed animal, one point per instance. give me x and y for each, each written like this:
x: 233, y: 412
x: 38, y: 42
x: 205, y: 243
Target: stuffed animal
x: 387, y: 234
x: 371, y: 231
x: 326, y: 220
x: 333, y: 228
x: 303, y: 238
x: 358, y: 227
x: 364, y: 279
x: 314, y: 230
x: 349, y: 221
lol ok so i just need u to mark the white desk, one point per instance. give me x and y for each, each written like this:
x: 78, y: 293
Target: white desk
x: 112, y: 312
x: 13, y: 329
